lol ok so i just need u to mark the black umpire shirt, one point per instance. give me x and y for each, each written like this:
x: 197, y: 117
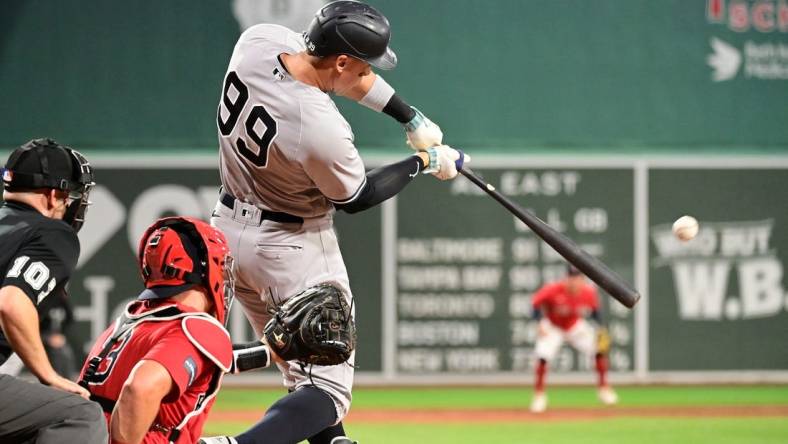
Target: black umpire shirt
x: 37, y: 255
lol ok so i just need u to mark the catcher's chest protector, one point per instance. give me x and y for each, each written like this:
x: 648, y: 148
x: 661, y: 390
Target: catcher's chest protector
x: 202, y: 330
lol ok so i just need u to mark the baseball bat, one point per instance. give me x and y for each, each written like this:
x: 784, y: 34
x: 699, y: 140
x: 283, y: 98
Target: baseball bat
x: 592, y: 267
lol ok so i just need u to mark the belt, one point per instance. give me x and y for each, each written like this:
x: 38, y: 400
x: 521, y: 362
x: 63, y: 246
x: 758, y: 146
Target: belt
x: 228, y: 200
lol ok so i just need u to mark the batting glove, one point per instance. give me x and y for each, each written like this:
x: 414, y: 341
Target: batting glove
x: 422, y: 133
x: 445, y: 162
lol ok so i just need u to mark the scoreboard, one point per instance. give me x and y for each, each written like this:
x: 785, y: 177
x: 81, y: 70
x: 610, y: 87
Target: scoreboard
x: 443, y: 276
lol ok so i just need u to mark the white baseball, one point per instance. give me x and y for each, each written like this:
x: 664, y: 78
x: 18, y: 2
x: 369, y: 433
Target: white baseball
x: 685, y: 228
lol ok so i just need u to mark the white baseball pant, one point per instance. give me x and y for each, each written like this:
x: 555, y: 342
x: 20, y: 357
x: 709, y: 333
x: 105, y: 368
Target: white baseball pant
x: 581, y: 336
x: 274, y: 261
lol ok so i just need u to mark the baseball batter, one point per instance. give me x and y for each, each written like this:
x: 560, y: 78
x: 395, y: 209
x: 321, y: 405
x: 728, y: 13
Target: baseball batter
x: 288, y: 163
x: 561, y: 308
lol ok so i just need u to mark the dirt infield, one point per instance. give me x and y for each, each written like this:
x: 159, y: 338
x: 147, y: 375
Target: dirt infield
x: 433, y: 416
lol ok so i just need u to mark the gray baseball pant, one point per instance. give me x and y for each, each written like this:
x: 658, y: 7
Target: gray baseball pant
x: 34, y: 413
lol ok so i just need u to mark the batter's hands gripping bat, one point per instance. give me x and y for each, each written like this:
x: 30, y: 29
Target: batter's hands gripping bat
x: 592, y: 267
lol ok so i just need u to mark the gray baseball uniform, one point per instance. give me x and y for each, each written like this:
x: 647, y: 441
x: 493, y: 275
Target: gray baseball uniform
x: 285, y: 148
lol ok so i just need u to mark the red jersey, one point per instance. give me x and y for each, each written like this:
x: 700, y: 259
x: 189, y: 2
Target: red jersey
x: 562, y: 308
x: 164, y: 340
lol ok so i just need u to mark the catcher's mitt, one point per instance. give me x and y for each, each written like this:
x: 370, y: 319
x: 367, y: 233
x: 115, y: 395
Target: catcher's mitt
x: 602, y: 341
x: 314, y: 327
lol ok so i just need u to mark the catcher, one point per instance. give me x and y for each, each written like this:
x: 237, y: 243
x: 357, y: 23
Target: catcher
x: 156, y: 371
x: 564, y: 305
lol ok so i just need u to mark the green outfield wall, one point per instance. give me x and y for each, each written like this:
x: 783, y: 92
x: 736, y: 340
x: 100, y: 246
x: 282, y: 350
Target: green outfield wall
x: 609, y: 119
x: 511, y: 74
x: 443, y: 276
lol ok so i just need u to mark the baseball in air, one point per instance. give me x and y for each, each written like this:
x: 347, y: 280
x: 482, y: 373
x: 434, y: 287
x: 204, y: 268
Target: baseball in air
x: 685, y: 228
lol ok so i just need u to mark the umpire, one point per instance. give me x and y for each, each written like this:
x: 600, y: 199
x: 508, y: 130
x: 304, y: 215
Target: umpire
x: 45, y: 195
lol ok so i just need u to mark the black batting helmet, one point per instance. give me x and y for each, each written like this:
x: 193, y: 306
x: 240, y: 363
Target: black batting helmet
x: 352, y: 28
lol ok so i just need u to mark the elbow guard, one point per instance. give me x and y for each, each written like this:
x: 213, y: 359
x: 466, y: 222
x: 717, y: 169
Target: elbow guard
x: 250, y: 356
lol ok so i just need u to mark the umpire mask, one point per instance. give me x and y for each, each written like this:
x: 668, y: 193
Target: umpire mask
x: 79, y: 196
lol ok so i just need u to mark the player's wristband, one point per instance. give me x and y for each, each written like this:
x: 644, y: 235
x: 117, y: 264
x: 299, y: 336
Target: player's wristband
x: 415, y: 122
x: 250, y: 356
x: 433, y: 166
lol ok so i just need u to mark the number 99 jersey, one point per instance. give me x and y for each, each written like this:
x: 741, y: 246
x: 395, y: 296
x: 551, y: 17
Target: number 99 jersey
x: 283, y: 144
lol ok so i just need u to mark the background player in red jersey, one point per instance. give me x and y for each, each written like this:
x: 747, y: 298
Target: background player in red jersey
x: 561, y: 308
x: 157, y: 369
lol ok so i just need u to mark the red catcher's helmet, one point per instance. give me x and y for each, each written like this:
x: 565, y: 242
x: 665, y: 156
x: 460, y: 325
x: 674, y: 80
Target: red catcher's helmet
x: 178, y: 253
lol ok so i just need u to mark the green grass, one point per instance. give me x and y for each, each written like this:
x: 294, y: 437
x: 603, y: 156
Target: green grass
x: 639, y: 431
x: 517, y: 397
x: 612, y: 430
x: 604, y: 431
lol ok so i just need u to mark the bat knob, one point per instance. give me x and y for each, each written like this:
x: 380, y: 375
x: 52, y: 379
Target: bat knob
x: 460, y: 160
